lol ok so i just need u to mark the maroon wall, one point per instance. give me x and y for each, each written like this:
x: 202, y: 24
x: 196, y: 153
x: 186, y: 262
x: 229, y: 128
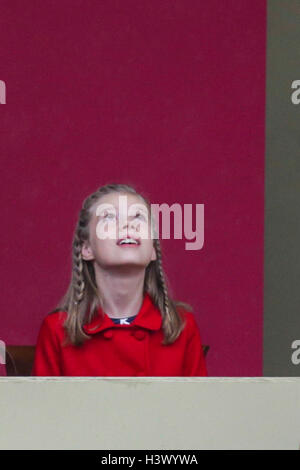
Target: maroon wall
x: 166, y: 95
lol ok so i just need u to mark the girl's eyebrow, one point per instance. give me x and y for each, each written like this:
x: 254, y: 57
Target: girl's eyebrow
x: 142, y: 209
x: 106, y: 210
x: 139, y: 206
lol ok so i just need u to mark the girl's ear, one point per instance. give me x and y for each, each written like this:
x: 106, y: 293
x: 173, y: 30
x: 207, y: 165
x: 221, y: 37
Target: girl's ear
x: 86, y: 252
x: 153, y: 256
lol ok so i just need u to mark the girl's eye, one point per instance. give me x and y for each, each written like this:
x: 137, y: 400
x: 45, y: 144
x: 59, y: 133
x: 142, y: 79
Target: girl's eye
x: 110, y: 215
x: 138, y: 214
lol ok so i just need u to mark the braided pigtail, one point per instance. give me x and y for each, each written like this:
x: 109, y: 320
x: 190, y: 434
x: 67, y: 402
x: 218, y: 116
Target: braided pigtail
x: 162, y: 281
x: 81, y: 300
x: 78, y: 299
x: 78, y: 280
x: 173, y: 322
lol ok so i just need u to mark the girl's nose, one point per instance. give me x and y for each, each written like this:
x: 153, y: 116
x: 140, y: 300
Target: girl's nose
x: 127, y: 224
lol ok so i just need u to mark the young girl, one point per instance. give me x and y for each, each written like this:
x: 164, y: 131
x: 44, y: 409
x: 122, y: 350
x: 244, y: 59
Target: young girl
x: 117, y: 317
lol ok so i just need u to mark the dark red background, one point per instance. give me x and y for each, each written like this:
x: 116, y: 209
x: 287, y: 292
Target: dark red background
x: 166, y: 95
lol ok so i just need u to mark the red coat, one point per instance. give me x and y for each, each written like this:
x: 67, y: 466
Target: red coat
x: 120, y: 350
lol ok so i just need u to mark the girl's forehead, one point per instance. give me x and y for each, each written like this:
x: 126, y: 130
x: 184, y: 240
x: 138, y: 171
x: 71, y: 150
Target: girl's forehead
x: 119, y: 201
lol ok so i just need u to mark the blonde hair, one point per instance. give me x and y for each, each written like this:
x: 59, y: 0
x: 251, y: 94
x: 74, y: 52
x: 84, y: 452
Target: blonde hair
x: 82, y: 300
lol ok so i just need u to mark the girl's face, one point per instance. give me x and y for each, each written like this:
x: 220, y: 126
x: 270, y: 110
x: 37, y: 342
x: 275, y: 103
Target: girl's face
x: 117, y: 216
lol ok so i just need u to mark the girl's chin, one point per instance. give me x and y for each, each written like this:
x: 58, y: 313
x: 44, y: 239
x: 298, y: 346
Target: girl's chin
x: 126, y: 264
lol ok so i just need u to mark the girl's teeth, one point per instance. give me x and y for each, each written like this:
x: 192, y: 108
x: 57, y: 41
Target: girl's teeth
x: 128, y: 241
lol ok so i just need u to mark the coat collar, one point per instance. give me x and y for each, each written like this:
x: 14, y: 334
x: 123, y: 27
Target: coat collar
x: 148, y: 317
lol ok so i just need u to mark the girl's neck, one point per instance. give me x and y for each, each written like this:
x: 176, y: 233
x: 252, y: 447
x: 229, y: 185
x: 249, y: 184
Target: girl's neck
x: 121, y: 290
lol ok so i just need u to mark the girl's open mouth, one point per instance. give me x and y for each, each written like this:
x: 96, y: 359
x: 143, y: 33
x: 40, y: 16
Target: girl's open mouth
x: 130, y: 241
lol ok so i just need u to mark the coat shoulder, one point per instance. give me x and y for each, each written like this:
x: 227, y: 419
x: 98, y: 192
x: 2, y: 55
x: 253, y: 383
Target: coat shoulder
x: 54, y: 321
x: 191, y: 323
x: 189, y: 320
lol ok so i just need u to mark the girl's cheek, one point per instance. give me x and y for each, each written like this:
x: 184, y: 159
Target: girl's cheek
x: 106, y: 229
x: 144, y: 231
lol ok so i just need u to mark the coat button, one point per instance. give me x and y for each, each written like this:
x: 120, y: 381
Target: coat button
x: 108, y: 334
x: 139, y: 334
